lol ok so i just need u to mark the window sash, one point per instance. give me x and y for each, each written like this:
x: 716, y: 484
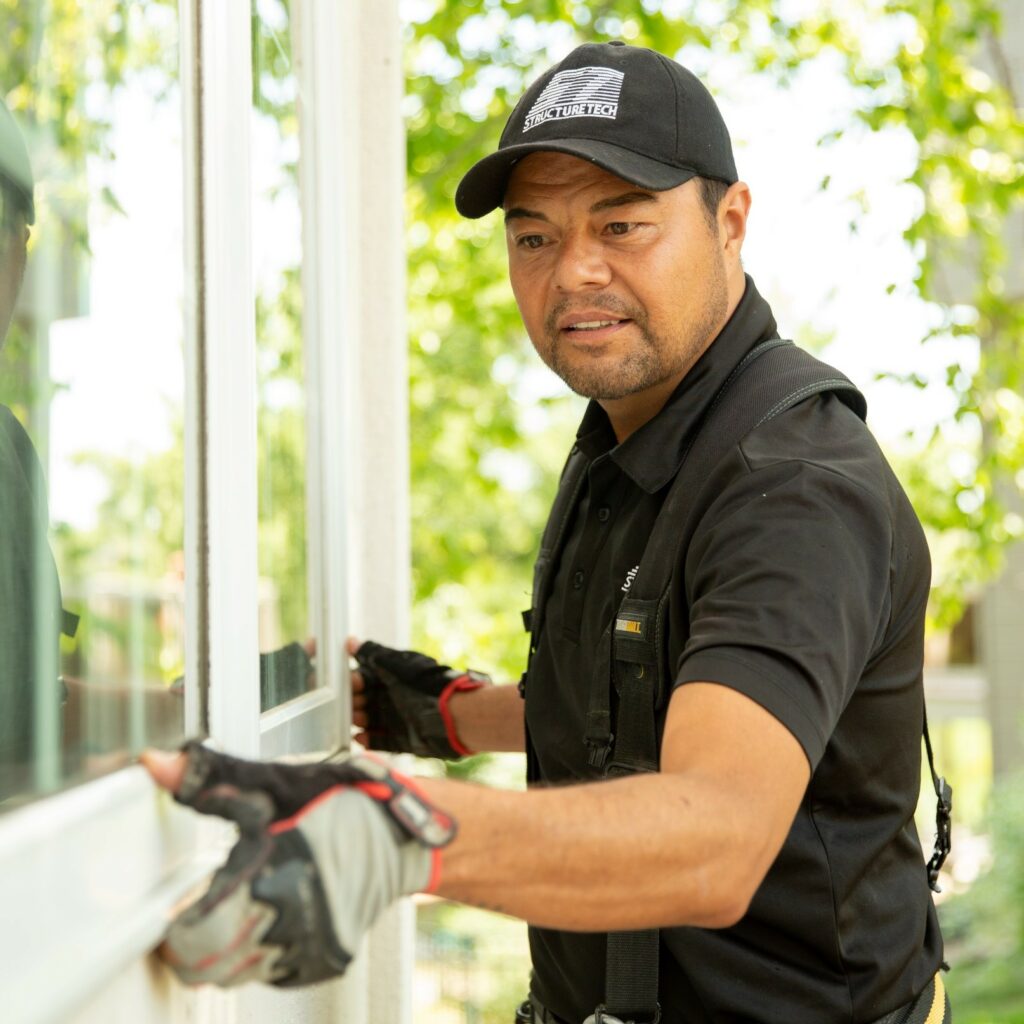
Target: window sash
x: 90, y: 876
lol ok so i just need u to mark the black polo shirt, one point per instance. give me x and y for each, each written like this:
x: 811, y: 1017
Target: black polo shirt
x: 804, y: 588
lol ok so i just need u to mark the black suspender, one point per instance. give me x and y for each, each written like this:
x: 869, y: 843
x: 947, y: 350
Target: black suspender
x: 776, y: 376
x: 569, y: 487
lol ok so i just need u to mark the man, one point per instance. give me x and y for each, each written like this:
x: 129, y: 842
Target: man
x: 31, y: 619
x: 775, y: 846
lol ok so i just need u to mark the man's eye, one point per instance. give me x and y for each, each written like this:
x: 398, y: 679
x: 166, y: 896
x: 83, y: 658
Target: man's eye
x: 620, y: 227
x: 530, y: 241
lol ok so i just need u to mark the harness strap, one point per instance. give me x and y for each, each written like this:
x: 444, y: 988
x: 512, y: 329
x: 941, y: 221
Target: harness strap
x: 943, y: 815
x: 777, y: 375
x: 552, y: 540
x: 569, y: 487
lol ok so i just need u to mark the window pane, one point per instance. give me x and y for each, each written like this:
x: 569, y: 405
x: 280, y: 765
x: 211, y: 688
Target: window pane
x: 91, y: 382
x: 281, y: 404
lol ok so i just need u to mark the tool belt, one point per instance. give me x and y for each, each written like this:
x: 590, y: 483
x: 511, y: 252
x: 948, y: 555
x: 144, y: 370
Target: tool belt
x: 931, y: 1006
x: 533, y: 1012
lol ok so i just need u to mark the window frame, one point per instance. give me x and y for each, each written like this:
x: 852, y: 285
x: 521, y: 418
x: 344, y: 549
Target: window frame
x: 100, y: 866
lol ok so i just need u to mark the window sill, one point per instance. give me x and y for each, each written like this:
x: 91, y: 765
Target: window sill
x: 88, y: 882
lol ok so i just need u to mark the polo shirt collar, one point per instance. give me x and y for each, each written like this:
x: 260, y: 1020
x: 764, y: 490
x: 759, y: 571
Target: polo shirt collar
x: 652, y: 455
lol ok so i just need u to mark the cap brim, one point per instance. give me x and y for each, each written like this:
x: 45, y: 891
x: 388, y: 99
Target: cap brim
x: 482, y: 188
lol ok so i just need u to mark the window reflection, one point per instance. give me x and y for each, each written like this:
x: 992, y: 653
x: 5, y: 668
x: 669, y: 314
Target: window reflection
x: 277, y: 258
x: 91, y: 379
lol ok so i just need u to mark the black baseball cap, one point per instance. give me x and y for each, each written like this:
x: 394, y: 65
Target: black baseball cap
x: 630, y: 110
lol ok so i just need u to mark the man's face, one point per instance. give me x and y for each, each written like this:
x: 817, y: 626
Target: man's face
x: 621, y: 289
x: 13, y: 255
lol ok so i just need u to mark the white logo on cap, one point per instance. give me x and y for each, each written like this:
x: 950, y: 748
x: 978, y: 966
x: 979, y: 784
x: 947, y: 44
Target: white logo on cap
x: 582, y: 92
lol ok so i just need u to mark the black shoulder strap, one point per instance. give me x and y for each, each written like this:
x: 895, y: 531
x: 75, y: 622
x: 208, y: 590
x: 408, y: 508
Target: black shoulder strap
x: 776, y: 376
x: 554, y: 536
x: 943, y: 815
x: 551, y: 543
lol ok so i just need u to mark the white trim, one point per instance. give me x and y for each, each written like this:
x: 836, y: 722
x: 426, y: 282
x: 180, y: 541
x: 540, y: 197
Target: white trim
x: 195, y: 554
x: 378, y: 400
x: 328, y: 189
x: 956, y: 691
x: 305, y: 725
x: 380, y: 576
x: 229, y: 351
x: 88, y: 880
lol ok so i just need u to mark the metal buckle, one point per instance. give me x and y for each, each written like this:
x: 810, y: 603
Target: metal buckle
x: 602, y: 1016
x: 943, y: 833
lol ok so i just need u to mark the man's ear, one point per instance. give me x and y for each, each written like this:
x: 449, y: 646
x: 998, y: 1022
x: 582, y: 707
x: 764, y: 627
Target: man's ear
x: 732, y: 218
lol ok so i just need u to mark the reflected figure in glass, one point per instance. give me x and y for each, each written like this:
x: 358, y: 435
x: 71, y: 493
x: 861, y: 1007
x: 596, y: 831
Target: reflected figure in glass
x: 31, y: 617
x: 54, y: 728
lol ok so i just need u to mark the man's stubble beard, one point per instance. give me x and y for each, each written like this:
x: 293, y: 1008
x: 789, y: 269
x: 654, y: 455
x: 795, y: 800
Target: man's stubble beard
x: 652, y: 360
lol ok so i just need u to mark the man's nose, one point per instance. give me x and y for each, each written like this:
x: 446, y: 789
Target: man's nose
x: 581, y: 263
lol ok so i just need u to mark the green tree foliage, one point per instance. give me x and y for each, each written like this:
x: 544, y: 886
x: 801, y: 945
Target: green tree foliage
x: 468, y: 62
x: 486, y: 451
x: 64, y: 65
x: 984, y: 928
x: 61, y: 66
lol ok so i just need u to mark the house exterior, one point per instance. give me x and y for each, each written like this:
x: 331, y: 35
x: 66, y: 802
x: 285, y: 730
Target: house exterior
x: 91, y: 873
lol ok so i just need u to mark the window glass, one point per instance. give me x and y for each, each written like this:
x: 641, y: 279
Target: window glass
x: 91, y: 389
x: 281, y: 404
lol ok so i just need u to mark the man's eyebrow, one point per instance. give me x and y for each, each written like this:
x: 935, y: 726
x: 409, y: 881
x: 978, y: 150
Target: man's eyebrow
x: 519, y: 211
x: 626, y: 199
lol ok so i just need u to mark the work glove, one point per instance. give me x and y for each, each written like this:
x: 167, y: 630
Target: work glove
x: 406, y: 701
x: 322, y: 850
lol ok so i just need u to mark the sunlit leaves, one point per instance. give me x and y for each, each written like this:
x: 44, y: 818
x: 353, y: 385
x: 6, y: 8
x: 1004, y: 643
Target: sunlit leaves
x: 917, y: 68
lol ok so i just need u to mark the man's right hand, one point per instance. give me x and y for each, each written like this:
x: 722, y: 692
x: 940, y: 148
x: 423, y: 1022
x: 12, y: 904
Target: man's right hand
x: 400, y: 701
x: 322, y: 850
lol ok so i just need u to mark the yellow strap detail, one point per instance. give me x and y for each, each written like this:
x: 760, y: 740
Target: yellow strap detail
x: 937, y: 1014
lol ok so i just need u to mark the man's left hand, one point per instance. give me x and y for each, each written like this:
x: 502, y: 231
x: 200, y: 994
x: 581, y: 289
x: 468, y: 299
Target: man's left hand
x: 323, y: 849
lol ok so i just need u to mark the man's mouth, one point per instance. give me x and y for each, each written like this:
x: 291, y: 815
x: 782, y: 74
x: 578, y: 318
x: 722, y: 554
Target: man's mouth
x: 593, y: 325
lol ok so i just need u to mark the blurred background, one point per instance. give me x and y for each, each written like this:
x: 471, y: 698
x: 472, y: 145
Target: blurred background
x: 884, y: 146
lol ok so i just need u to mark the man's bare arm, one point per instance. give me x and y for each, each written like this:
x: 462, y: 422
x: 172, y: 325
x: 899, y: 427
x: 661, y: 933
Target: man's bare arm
x: 689, y: 846
x: 490, y: 719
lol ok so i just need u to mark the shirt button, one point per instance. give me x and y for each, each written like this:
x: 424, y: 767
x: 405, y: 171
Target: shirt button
x: 604, y: 514
x: 577, y: 580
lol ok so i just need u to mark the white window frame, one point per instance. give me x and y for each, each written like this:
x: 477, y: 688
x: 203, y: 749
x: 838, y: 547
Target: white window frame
x: 89, y: 877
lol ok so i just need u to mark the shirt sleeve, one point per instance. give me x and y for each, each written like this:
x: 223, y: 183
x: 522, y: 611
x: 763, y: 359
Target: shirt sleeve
x: 788, y: 585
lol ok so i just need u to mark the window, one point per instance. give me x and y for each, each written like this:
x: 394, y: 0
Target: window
x: 159, y: 167
x: 280, y: 362
x: 91, y: 391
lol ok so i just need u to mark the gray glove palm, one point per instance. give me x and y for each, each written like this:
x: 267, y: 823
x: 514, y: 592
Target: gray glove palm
x: 323, y: 850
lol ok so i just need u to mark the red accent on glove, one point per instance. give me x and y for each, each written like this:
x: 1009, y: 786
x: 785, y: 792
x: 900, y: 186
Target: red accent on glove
x: 461, y: 685
x: 284, y: 824
x: 381, y: 793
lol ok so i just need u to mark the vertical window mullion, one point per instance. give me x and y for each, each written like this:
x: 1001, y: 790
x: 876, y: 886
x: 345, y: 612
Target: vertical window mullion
x: 227, y: 540
x: 196, y: 639
x: 329, y: 194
